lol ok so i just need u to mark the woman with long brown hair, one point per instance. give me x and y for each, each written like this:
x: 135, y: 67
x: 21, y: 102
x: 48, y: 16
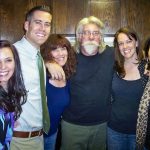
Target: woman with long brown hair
x: 127, y: 88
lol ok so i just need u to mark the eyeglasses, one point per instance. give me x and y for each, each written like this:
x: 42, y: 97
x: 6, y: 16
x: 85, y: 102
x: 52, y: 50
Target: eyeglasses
x: 89, y: 33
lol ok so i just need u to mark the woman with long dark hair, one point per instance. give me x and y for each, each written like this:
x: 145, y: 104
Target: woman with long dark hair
x: 12, y: 91
x: 128, y: 85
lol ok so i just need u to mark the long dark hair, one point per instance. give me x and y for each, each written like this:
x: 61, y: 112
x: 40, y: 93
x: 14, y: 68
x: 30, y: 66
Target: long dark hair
x: 119, y: 59
x: 55, y: 41
x: 12, y: 99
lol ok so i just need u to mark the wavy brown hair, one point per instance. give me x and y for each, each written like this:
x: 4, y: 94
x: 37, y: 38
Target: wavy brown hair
x: 119, y: 59
x: 55, y: 41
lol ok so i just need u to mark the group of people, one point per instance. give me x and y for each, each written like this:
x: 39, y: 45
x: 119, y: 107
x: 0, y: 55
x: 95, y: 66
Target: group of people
x: 99, y: 94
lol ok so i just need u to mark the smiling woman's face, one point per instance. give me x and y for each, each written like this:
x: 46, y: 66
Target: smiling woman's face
x: 7, y: 66
x: 60, y: 55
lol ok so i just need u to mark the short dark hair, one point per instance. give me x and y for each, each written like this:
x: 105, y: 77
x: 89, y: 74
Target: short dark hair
x: 30, y: 13
x: 12, y: 99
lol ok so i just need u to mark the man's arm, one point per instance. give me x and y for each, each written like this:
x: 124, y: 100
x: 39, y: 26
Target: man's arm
x: 55, y: 70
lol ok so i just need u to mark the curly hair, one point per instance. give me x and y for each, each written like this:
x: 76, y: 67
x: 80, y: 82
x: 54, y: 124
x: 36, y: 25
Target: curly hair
x: 55, y: 41
x: 16, y: 95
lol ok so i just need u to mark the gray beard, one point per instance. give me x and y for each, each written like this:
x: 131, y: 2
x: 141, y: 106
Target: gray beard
x: 90, y: 48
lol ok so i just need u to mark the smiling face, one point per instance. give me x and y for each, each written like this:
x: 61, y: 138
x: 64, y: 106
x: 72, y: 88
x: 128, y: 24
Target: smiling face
x: 38, y: 28
x: 90, y: 39
x: 7, y: 66
x: 127, y: 46
x: 60, y: 55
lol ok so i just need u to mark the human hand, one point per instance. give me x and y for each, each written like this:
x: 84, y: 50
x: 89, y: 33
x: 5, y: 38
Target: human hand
x: 56, y: 71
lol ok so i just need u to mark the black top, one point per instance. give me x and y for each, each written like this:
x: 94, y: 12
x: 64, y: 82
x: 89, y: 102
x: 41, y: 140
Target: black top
x: 126, y: 97
x: 90, y: 89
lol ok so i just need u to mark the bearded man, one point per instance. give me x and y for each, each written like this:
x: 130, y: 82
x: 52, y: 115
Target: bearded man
x: 84, y: 122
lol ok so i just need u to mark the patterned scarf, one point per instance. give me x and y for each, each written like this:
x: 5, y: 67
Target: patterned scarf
x: 143, y: 118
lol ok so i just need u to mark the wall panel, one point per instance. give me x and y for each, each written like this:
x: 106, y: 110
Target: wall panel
x: 67, y: 13
x: 12, y: 16
x: 109, y: 12
x: 135, y: 14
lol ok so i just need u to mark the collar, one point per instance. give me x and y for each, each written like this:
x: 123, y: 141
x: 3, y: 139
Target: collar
x: 31, y: 51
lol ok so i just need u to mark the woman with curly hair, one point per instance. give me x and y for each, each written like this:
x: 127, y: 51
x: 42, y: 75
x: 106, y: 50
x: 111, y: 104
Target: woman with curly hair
x: 59, y: 50
x: 12, y: 91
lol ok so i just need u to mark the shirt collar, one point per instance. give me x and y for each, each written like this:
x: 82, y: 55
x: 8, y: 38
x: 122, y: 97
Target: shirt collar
x: 32, y: 51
